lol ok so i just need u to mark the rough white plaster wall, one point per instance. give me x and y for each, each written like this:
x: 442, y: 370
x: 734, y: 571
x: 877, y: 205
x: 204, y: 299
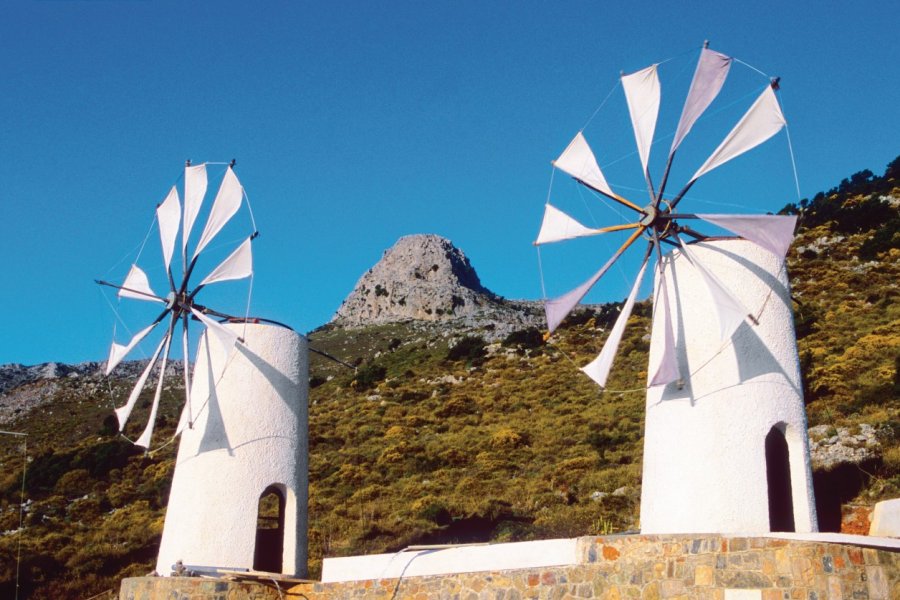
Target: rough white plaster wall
x: 704, y: 446
x: 463, y: 559
x: 250, y: 432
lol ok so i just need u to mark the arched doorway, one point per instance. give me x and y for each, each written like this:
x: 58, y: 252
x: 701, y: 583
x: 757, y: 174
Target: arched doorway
x: 778, y: 475
x: 269, y: 531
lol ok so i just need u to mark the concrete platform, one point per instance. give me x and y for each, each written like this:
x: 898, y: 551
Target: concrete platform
x: 686, y: 567
x: 458, y: 559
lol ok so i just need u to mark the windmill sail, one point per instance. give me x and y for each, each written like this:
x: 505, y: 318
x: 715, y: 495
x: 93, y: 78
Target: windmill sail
x: 772, y: 232
x: 665, y: 370
x: 225, y: 336
x: 642, y: 94
x: 578, y: 161
x: 123, y: 412
x: 763, y: 120
x: 144, y: 440
x: 729, y: 310
x: 226, y: 204
x: 712, y: 69
x: 169, y: 216
x: 238, y: 265
x: 137, y: 286
x: 557, y: 309
x: 599, y: 368
x: 187, y: 416
x: 118, y: 352
x: 195, y: 183
x: 558, y: 226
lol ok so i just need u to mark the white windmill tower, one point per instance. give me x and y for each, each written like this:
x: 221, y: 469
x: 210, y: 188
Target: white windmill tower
x: 239, y: 493
x: 726, y: 447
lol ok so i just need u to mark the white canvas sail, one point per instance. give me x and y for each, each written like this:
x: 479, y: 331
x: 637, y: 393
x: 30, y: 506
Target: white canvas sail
x: 557, y: 308
x: 123, y: 412
x: 599, y: 368
x: 772, y: 232
x: 195, y: 183
x: 578, y: 161
x: 729, y: 310
x: 763, y: 120
x: 238, y: 265
x: 642, y: 93
x: 558, y: 226
x: 144, y: 439
x: 168, y: 214
x: 712, y: 69
x: 118, y: 352
x: 665, y: 370
x: 137, y: 286
x: 225, y: 336
x: 187, y: 415
x: 226, y: 204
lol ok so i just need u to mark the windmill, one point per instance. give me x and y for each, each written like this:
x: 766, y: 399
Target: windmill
x: 180, y: 303
x: 659, y: 222
x: 243, y: 450
x: 725, y: 443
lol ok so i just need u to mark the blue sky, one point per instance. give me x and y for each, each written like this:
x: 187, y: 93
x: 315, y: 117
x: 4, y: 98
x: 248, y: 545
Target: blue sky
x: 355, y: 123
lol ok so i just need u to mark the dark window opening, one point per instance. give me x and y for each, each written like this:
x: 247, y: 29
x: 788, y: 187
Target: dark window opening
x: 778, y: 475
x: 269, y: 531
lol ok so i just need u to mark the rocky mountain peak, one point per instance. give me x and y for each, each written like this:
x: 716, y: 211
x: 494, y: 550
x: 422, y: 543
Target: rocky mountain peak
x: 423, y: 277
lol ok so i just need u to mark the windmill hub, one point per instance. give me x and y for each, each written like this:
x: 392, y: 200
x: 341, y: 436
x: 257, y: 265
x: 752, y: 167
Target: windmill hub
x: 170, y: 300
x: 657, y: 219
x: 650, y: 214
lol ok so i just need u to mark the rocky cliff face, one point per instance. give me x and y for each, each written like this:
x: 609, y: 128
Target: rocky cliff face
x: 24, y: 389
x: 422, y: 277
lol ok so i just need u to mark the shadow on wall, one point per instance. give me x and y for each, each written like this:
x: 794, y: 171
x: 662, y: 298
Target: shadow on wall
x: 837, y: 486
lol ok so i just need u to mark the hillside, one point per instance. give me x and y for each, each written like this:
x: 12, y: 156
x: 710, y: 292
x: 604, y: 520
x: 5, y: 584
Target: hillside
x: 465, y: 428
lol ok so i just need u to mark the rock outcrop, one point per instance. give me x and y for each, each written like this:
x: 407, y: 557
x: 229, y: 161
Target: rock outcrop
x: 24, y: 389
x: 830, y: 446
x: 422, y: 277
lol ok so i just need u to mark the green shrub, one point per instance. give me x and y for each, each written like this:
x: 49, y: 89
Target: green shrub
x: 369, y: 376
x: 469, y: 348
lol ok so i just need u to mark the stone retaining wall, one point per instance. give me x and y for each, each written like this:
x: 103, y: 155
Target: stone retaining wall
x: 610, y: 568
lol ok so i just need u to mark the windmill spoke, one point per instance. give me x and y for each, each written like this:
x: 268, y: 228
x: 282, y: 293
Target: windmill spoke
x: 618, y: 199
x: 709, y: 76
x: 131, y: 292
x: 557, y: 226
x: 578, y: 161
x: 557, y: 309
x: 694, y: 234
